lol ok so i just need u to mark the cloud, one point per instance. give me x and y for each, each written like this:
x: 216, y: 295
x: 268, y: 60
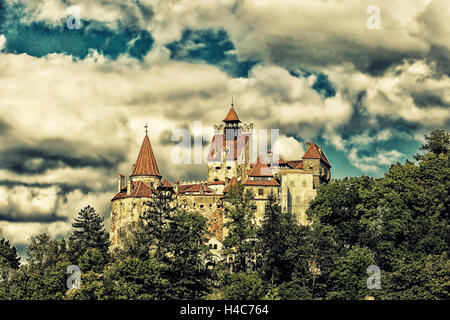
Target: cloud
x: 2, y: 41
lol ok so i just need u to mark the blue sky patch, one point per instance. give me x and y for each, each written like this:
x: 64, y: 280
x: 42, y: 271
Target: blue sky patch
x: 39, y: 38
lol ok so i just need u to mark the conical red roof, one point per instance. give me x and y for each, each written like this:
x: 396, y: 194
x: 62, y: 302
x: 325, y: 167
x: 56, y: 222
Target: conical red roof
x: 231, y: 116
x: 146, y: 163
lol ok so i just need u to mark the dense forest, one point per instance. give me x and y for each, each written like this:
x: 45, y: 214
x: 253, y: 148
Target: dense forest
x: 398, y: 223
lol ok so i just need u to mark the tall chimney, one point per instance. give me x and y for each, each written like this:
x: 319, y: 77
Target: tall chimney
x: 308, y: 144
x: 129, y: 186
x: 121, y: 183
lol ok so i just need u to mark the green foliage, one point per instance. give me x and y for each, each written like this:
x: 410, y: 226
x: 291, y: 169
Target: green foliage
x: 239, y: 208
x: 438, y: 142
x: 293, y: 290
x: 92, y: 260
x: 349, y: 278
x: 89, y: 232
x: 134, y: 279
x: 8, y: 255
x: 244, y: 286
x: 281, y: 243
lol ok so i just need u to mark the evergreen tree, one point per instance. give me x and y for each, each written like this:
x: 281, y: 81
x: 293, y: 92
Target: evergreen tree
x: 277, y: 235
x: 239, y: 211
x: 438, y: 142
x: 8, y: 255
x: 88, y: 232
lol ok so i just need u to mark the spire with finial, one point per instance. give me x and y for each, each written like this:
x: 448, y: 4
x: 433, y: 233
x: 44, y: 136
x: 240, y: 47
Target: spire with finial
x: 231, y: 116
x: 146, y: 163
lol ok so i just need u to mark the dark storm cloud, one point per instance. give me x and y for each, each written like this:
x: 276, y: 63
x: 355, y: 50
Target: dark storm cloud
x: 40, y: 39
x: 12, y: 214
x: 4, y: 127
x: 64, y: 188
x: 428, y: 99
x: 57, y: 153
x: 287, y: 52
x: 210, y: 46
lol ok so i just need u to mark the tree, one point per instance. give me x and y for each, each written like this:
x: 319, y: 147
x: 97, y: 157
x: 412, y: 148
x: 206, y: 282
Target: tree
x: 239, y: 209
x: 277, y: 236
x: 187, y: 256
x: 244, y: 286
x: 43, y: 253
x: 438, y: 142
x: 349, y: 278
x: 9, y: 263
x: 8, y: 255
x: 92, y: 260
x: 88, y: 232
x: 134, y: 279
x: 426, y: 278
x: 155, y: 221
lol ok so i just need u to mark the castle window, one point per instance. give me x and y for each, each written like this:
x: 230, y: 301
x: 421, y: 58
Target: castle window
x: 194, y: 204
x: 216, y: 179
x: 228, y: 168
x: 260, y: 192
x: 215, y: 246
x: 201, y: 206
x: 217, y: 168
x: 210, y: 205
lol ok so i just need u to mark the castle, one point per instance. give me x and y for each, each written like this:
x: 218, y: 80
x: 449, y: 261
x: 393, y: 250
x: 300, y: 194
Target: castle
x: 294, y: 182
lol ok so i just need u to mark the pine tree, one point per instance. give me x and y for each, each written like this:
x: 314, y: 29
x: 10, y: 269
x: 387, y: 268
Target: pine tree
x: 240, y: 211
x: 8, y: 255
x: 277, y: 234
x: 89, y: 232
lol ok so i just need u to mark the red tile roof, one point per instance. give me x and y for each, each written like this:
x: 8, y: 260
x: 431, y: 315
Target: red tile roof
x: 264, y: 183
x: 231, y: 116
x: 146, y: 163
x: 215, y: 183
x: 261, y: 169
x: 314, y: 152
x: 294, y: 163
x: 166, y: 183
x: 195, y: 188
x: 141, y: 190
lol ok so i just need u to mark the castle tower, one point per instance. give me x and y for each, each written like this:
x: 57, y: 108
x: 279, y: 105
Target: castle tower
x: 228, y: 156
x: 316, y: 163
x: 130, y: 200
x: 146, y: 169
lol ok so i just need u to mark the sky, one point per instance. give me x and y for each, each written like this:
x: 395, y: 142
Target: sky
x: 74, y: 99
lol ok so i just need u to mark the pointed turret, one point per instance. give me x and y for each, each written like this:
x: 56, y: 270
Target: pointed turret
x: 146, y: 163
x: 231, y: 116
